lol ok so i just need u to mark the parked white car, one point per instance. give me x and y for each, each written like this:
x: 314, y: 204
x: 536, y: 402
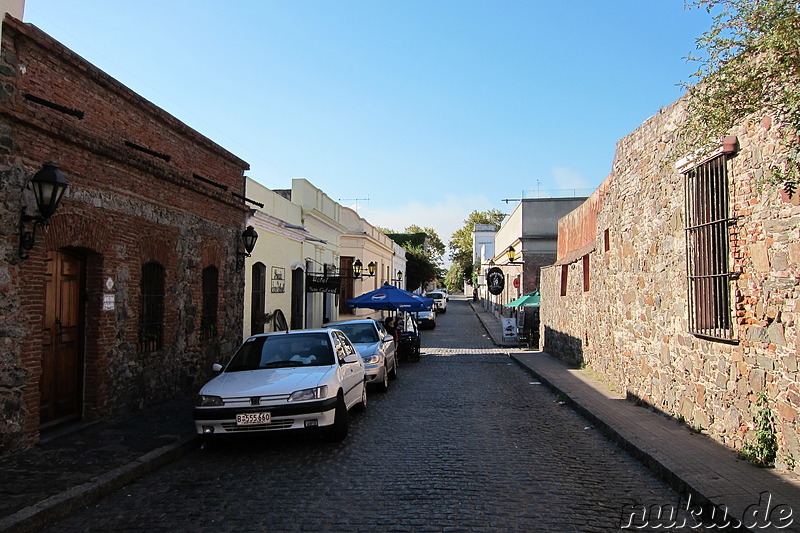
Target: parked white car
x: 376, y: 346
x: 440, y: 300
x: 302, y: 379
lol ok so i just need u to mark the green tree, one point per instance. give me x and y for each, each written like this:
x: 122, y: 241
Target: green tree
x: 461, y: 252
x: 420, y: 268
x: 454, y: 279
x: 749, y: 62
x: 434, y: 242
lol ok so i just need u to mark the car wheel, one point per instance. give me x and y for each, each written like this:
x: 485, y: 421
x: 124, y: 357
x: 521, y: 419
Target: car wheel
x: 362, y: 405
x: 341, y: 423
x: 393, y: 373
x: 383, y: 386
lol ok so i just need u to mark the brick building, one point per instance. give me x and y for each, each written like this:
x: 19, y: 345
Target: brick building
x: 132, y: 291
x: 678, y: 281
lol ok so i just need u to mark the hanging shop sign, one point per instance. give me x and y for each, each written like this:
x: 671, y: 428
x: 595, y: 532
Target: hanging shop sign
x: 329, y: 284
x: 495, y: 280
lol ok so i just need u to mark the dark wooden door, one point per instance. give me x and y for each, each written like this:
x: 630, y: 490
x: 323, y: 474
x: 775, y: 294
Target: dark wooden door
x: 298, y: 292
x: 62, y: 365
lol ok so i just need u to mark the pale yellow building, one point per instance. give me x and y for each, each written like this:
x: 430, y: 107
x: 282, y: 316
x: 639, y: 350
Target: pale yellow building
x: 365, y: 243
x: 275, y: 272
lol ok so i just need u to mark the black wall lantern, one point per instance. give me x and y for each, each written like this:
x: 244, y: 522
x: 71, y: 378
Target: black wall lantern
x: 249, y: 238
x: 358, y: 269
x: 48, y: 185
x: 511, y: 253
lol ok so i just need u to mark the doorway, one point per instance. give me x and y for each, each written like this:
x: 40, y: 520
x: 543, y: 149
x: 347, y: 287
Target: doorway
x: 298, y: 290
x: 61, y: 382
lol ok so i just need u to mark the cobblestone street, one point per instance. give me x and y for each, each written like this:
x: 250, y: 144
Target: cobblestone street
x: 464, y: 440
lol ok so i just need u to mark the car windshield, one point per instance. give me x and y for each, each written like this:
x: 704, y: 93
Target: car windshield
x: 276, y: 351
x: 435, y: 296
x: 358, y: 333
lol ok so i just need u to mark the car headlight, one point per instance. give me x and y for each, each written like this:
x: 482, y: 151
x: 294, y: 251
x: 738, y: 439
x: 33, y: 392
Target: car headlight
x: 309, y: 394
x: 371, y: 359
x: 208, y: 401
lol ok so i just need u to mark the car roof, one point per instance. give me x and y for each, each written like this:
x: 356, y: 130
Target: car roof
x: 292, y: 332
x: 354, y: 321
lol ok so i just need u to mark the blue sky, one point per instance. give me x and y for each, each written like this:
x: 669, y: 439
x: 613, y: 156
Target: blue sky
x: 429, y: 109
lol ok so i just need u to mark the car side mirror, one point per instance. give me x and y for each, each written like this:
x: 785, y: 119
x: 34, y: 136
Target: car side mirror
x: 352, y: 358
x: 216, y: 367
x: 388, y: 338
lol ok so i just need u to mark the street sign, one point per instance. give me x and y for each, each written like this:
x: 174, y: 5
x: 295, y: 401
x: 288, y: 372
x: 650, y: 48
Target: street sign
x: 495, y: 280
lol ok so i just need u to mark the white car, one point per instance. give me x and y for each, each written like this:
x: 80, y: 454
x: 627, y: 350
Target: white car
x: 440, y: 300
x: 426, y: 319
x: 302, y: 379
x: 376, y: 346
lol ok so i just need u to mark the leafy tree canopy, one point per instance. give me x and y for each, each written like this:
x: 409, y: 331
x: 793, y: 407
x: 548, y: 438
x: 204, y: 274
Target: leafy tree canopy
x: 749, y: 61
x: 460, y: 245
x: 434, y: 242
x: 420, y: 268
x: 454, y: 279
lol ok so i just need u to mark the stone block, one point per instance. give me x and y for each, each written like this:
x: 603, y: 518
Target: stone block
x: 759, y: 257
x: 765, y: 362
x: 757, y: 380
x: 786, y: 412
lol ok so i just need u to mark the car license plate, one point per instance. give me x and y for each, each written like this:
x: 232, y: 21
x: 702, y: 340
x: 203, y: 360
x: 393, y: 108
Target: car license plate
x: 251, y: 419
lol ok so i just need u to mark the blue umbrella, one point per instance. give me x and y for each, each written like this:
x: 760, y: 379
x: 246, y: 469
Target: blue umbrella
x: 390, y: 298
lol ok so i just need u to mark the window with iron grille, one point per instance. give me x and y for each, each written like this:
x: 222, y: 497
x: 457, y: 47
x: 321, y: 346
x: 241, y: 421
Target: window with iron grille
x: 151, y: 317
x: 258, y: 298
x: 210, y: 299
x: 586, y: 273
x: 707, y: 250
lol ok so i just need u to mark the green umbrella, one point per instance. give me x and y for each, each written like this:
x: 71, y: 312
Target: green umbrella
x: 529, y: 300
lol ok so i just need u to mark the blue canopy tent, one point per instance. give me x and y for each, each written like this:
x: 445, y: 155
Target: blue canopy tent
x: 391, y: 298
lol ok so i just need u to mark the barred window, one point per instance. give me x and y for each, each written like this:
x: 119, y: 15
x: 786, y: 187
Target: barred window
x: 151, y: 317
x: 210, y: 299
x: 586, y: 273
x: 707, y: 250
x: 258, y: 298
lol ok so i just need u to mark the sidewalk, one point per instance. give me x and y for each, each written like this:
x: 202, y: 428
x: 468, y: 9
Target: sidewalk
x: 689, y: 462
x: 67, y: 471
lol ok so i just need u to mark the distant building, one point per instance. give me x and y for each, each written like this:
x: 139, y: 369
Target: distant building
x: 532, y: 231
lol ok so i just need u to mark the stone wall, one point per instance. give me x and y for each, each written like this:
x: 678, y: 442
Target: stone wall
x: 135, y: 195
x: 631, y: 326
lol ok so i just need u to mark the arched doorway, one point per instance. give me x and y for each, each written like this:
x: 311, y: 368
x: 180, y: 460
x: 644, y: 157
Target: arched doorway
x: 61, y: 381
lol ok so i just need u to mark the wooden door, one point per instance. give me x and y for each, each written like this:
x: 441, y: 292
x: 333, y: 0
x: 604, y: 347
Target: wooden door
x: 298, y: 290
x: 62, y: 362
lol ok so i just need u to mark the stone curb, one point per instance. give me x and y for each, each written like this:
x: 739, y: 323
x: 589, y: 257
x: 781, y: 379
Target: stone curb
x: 38, y: 515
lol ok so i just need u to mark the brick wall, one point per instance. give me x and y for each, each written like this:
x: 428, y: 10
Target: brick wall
x: 135, y: 195
x: 632, y: 327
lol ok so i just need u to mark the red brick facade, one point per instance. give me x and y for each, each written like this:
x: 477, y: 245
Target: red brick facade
x: 139, y: 191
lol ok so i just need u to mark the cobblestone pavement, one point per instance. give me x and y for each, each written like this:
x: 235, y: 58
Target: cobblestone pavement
x: 463, y: 441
